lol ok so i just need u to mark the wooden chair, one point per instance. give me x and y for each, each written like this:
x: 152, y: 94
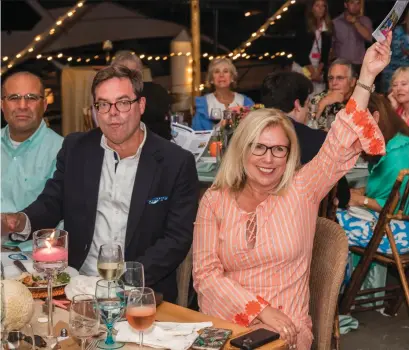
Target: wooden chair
x: 329, y: 258
x: 184, y: 274
x: 394, y: 295
x: 329, y: 205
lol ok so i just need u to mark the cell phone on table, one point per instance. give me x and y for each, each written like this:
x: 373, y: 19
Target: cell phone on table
x: 255, y: 339
x: 212, y: 339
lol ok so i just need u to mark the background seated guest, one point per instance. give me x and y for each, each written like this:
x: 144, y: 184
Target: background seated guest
x: 120, y: 183
x: 255, y: 227
x: 158, y: 100
x: 314, y: 41
x: 400, y: 52
x: 341, y: 83
x: 382, y: 175
x: 28, y: 148
x: 399, y: 95
x: 222, y: 76
x: 289, y: 91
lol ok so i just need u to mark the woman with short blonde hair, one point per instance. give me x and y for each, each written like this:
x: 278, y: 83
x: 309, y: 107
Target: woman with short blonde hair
x: 399, y: 92
x: 221, y: 78
x: 254, y: 231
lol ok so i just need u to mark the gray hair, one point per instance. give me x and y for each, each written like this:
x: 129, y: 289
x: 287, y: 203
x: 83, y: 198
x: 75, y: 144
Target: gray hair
x: 121, y: 57
x: 121, y: 72
x: 346, y: 63
x: 217, y: 61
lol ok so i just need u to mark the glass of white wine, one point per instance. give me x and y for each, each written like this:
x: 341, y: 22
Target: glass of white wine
x: 110, y: 261
x: 84, y: 317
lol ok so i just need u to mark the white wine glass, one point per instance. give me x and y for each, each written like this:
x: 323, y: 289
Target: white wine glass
x: 141, y: 310
x: 110, y: 261
x: 84, y: 317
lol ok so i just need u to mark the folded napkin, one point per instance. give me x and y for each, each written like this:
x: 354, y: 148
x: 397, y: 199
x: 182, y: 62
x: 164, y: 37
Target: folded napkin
x: 81, y: 285
x: 168, y: 335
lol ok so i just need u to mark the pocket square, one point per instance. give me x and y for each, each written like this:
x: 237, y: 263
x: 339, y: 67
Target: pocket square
x: 157, y: 200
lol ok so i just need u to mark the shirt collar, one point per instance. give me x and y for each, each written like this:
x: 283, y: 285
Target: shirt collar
x: 105, y: 146
x: 40, y: 130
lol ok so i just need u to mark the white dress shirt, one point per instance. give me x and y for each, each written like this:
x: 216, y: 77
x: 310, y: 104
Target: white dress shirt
x: 114, y: 199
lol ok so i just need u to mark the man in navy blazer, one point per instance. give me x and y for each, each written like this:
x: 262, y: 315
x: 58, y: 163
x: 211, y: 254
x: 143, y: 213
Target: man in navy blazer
x: 121, y: 184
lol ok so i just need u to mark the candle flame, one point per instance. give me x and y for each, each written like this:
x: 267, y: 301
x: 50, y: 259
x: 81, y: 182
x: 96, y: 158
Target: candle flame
x: 50, y: 239
x: 48, y: 244
x: 52, y: 235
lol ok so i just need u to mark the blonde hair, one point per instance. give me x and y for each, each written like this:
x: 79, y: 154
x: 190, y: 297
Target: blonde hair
x: 217, y: 61
x: 404, y: 69
x: 232, y: 173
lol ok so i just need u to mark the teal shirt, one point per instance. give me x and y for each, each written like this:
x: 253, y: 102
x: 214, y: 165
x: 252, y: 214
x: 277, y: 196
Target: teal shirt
x: 383, y: 174
x: 25, y: 169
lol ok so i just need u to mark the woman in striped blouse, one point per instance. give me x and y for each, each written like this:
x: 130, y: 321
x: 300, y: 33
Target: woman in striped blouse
x: 255, y: 227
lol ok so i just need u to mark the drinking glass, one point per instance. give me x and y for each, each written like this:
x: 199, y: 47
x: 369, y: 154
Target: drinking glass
x: 20, y: 339
x: 216, y: 114
x: 133, y: 275
x: 111, y: 302
x: 110, y: 261
x: 84, y: 317
x: 141, y: 310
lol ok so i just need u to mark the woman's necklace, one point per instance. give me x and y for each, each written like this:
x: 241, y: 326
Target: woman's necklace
x: 226, y: 101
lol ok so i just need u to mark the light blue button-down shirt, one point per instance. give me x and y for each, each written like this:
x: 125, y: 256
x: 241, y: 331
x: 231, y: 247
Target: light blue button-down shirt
x: 25, y: 169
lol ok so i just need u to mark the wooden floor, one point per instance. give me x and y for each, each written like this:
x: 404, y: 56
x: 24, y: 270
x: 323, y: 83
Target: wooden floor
x: 378, y: 332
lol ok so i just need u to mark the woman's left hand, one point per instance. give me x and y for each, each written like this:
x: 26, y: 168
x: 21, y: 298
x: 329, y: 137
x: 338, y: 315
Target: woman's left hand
x: 377, y: 57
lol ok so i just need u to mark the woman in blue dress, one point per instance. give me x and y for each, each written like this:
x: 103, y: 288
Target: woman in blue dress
x: 222, y: 76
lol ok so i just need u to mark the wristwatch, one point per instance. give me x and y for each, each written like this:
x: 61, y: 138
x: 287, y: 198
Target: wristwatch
x: 366, y: 201
x: 371, y: 89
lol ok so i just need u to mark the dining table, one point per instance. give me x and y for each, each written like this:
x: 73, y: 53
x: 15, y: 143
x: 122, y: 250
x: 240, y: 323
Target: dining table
x: 166, y: 312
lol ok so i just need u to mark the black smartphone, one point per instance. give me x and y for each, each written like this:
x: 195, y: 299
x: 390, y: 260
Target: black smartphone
x: 254, y: 339
x: 212, y: 339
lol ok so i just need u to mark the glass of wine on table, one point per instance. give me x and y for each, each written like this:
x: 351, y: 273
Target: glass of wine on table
x: 110, y: 261
x: 109, y: 295
x: 141, y: 310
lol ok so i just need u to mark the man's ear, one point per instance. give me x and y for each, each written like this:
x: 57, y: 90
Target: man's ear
x: 376, y: 116
x: 297, y: 105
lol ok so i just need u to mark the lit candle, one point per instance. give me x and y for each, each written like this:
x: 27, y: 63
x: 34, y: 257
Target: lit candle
x: 50, y: 253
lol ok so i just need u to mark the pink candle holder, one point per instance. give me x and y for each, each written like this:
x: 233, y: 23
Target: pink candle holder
x: 50, y: 256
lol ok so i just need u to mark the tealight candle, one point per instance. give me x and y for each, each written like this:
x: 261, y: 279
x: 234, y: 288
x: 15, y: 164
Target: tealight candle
x: 50, y: 254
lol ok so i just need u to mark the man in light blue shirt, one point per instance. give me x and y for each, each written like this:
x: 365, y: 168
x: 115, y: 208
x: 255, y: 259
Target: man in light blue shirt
x: 28, y: 147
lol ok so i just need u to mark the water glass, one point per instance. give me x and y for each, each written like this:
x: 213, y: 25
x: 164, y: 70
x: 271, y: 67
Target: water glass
x: 110, y: 261
x: 84, y: 317
x: 141, y: 310
x: 20, y: 339
x: 133, y: 275
x: 111, y: 301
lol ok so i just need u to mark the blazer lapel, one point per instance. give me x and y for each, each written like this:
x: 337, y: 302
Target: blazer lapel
x: 93, y: 159
x: 144, y: 178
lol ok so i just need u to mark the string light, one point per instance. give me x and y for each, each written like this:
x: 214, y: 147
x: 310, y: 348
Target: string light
x: 59, y: 55
x: 278, y: 17
x: 58, y: 23
x: 69, y: 59
x: 49, y: 58
x: 39, y: 56
x: 9, y: 66
x: 18, y: 55
x: 5, y: 58
x: 247, y: 14
x: 37, y: 38
x: 141, y: 56
x: 31, y: 49
x: 69, y: 14
x: 88, y: 60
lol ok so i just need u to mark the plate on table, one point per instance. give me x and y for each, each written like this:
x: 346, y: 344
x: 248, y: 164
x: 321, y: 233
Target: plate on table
x: 14, y: 273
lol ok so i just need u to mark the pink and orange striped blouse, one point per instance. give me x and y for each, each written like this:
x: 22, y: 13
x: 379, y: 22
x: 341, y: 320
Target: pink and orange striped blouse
x: 235, y: 282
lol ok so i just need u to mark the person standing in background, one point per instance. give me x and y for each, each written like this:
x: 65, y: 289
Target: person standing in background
x: 314, y: 43
x: 351, y: 32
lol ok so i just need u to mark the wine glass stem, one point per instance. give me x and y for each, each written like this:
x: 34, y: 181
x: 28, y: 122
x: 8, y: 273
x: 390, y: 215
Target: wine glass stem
x: 50, y: 304
x: 83, y: 343
x: 141, y: 339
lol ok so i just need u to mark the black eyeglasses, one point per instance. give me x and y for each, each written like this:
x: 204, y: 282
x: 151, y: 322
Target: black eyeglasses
x: 27, y: 97
x: 276, y: 151
x: 121, y: 106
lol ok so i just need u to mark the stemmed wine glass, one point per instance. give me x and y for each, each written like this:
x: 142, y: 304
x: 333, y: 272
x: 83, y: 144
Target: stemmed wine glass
x: 84, y: 317
x: 133, y: 275
x: 111, y: 302
x: 141, y: 310
x: 20, y: 339
x: 110, y: 261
